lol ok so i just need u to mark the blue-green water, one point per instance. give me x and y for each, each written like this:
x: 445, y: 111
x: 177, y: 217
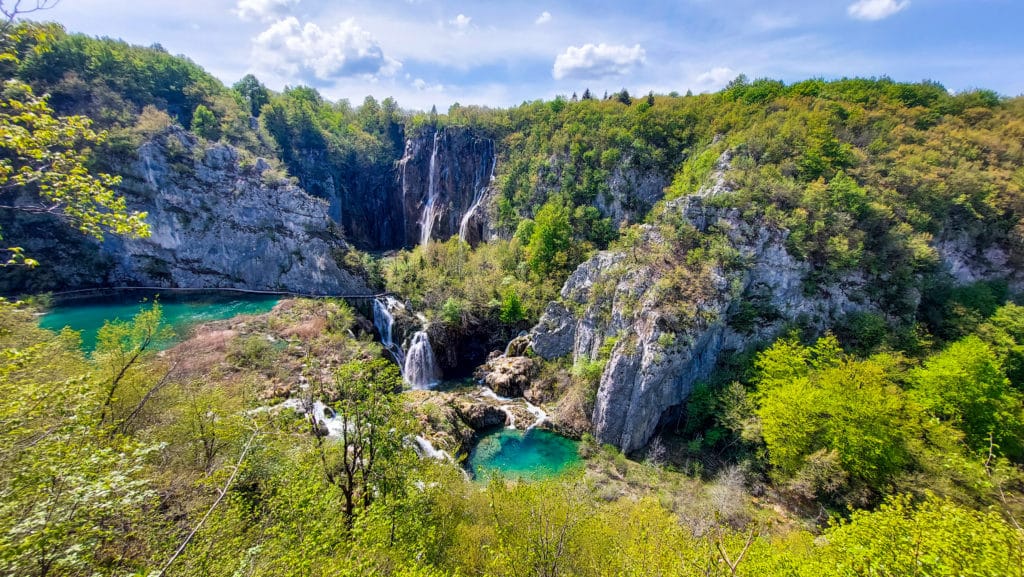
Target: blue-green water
x: 181, y: 311
x: 531, y: 455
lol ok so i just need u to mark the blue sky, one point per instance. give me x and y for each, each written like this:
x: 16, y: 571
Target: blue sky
x: 499, y: 53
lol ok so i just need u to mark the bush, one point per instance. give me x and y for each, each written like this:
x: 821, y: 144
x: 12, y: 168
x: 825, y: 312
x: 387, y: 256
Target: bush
x: 252, y: 352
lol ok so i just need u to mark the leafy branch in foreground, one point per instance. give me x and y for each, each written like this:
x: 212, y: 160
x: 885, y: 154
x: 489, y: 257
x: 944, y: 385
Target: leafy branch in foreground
x: 43, y: 163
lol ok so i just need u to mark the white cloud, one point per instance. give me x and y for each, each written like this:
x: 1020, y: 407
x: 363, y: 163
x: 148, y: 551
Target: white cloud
x: 313, y: 54
x: 544, y: 18
x: 262, y: 9
x: 876, y: 9
x: 715, y: 78
x: 424, y: 86
x: 597, y: 61
x: 461, y: 21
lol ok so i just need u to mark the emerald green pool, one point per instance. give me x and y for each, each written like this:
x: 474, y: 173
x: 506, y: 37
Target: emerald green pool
x: 531, y: 455
x: 181, y: 310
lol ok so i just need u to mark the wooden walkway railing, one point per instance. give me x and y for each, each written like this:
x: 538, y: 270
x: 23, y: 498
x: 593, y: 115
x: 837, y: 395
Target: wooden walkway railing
x: 224, y: 289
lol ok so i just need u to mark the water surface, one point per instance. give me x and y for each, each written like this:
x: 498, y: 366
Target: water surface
x: 530, y: 455
x: 181, y: 311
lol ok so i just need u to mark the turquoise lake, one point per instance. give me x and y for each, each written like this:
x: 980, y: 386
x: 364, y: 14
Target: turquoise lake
x: 530, y: 455
x: 181, y: 311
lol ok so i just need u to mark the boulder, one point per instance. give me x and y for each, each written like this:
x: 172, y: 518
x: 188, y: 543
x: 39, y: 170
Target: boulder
x: 509, y: 376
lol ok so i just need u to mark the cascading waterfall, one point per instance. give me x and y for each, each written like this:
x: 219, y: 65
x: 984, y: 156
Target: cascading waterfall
x: 384, y: 323
x: 426, y: 450
x: 430, y: 209
x: 536, y: 412
x: 421, y: 368
x: 506, y: 407
x: 478, y: 196
x: 330, y: 420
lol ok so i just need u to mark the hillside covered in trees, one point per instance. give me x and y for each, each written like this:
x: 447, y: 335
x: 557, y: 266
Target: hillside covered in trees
x: 782, y: 320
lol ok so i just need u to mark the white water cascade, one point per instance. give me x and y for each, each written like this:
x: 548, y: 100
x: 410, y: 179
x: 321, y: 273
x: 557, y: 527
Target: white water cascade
x: 506, y: 407
x: 430, y: 209
x: 384, y: 323
x: 320, y: 414
x: 536, y: 412
x: 426, y: 449
x: 325, y: 415
x: 478, y: 196
x: 421, y: 368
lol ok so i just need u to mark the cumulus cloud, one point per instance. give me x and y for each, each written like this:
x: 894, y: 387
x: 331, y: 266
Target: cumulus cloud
x: 544, y: 18
x: 461, y: 21
x: 715, y: 78
x: 313, y: 54
x: 598, y: 61
x: 262, y: 9
x: 875, y: 9
x: 424, y: 86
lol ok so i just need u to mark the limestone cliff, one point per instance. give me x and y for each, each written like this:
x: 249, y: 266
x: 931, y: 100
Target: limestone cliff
x: 443, y: 177
x: 663, y: 320
x: 218, y: 219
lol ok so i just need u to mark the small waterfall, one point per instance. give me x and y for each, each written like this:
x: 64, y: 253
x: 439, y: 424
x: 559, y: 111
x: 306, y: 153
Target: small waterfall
x: 537, y: 412
x: 421, y: 368
x: 426, y: 449
x: 430, y: 209
x: 322, y: 414
x: 478, y: 196
x: 534, y: 410
x: 510, y: 416
x: 384, y: 323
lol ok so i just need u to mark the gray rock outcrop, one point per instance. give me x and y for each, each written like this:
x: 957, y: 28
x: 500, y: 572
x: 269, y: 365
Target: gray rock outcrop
x: 508, y: 376
x: 217, y: 220
x: 664, y: 323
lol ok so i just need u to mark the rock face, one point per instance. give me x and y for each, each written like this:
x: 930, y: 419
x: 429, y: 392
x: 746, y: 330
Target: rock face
x: 508, y: 376
x: 216, y: 221
x: 362, y: 191
x: 443, y: 178
x: 657, y: 351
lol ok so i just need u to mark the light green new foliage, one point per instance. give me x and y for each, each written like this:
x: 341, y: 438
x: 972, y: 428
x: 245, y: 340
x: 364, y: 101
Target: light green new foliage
x: 934, y: 538
x: 122, y: 350
x: 1004, y: 334
x: 71, y: 499
x: 965, y: 385
x: 813, y: 399
x: 550, y: 239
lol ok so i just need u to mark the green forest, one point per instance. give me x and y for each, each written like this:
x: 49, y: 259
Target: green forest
x: 882, y: 439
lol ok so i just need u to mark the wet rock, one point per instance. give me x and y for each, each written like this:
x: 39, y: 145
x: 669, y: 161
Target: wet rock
x: 481, y: 416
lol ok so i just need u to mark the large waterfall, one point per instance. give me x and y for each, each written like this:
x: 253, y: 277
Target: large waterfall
x: 478, y: 195
x: 384, y: 323
x: 421, y: 368
x: 430, y: 208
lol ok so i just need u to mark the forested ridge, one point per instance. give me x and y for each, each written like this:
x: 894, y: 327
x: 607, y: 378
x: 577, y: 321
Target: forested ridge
x: 884, y: 436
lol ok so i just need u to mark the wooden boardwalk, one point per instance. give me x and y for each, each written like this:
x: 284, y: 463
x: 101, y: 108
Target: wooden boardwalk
x: 101, y: 290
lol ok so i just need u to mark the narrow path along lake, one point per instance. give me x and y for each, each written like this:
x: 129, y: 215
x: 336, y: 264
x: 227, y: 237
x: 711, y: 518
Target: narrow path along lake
x: 181, y: 310
x: 531, y: 455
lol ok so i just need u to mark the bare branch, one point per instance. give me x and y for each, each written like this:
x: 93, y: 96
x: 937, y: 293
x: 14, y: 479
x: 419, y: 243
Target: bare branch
x: 123, y: 426
x: 223, y: 492
x: 20, y: 7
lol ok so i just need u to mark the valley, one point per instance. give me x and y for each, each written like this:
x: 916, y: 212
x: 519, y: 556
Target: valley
x: 773, y: 329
